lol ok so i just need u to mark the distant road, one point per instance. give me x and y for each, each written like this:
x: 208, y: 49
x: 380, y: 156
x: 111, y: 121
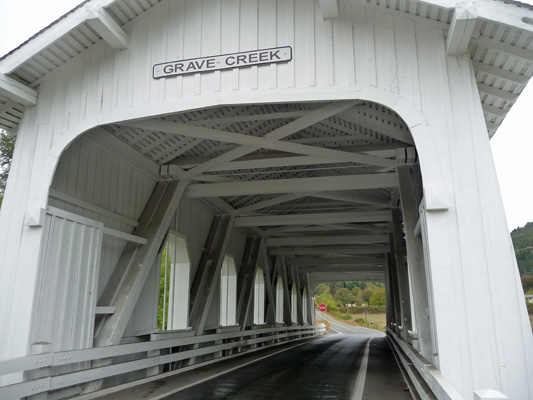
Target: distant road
x: 348, y: 329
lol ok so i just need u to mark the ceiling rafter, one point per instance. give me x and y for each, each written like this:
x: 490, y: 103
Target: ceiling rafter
x: 278, y: 134
x: 297, y: 185
x: 314, y: 219
x: 255, y: 142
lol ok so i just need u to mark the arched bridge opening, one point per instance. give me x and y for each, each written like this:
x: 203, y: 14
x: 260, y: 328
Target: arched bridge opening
x: 221, y: 221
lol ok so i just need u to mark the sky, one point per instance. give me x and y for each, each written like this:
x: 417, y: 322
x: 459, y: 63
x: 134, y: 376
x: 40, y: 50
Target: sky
x: 512, y: 145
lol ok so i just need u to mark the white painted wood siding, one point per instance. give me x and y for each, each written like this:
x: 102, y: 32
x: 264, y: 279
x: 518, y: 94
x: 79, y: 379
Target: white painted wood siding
x: 66, y: 293
x: 365, y: 46
x: 96, y: 177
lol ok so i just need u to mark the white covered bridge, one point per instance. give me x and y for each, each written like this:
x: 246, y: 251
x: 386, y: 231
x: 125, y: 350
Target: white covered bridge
x: 261, y: 147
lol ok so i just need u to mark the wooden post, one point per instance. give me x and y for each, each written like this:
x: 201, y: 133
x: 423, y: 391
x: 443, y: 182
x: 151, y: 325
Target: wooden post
x: 269, y: 270
x: 246, y: 279
x: 402, y: 274
x: 208, y: 272
x: 123, y: 291
x: 410, y: 185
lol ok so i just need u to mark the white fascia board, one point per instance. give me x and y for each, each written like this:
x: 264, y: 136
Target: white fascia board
x: 48, y: 36
x: 329, y: 8
x: 17, y: 92
x: 106, y: 27
x: 495, y: 11
x: 461, y: 28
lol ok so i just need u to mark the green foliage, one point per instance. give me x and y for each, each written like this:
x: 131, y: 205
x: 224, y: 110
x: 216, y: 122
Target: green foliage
x: 163, y: 300
x: 367, y: 294
x: 344, y: 296
x: 346, y: 317
x: 7, y: 146
x: 527, y: 282
x: 320, y: 289
x: 523, y: 245
x: 378, y: 298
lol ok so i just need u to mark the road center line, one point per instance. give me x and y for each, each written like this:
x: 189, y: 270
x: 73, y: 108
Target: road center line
x: 361, y: 376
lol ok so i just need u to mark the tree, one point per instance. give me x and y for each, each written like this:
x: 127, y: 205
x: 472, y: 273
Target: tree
x: 320, y: 289
x: 523, y: 245
x: 366, y: 294
x: 378, y: 298
x: 344, y: 296
x: 7, y: 145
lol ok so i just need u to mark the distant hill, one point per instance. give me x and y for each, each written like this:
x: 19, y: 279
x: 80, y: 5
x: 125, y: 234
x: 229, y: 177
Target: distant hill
x: 523, y: 245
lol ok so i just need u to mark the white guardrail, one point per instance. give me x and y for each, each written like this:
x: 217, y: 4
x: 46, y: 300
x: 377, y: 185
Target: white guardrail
x: 159, y: 350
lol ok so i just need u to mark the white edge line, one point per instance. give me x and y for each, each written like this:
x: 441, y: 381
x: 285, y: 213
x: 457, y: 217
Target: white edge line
x: 361, y: 376
x: 161, y: 396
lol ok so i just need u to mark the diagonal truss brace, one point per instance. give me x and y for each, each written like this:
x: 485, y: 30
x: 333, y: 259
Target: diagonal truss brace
x: 246, y: 279
x: 133, y: 268
x: 208, y: 273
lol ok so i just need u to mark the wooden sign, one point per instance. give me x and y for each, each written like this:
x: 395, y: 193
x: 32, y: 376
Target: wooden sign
x: 225, y: 61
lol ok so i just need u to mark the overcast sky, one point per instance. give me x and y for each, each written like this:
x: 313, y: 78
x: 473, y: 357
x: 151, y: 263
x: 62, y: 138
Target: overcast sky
x: 512, y: 145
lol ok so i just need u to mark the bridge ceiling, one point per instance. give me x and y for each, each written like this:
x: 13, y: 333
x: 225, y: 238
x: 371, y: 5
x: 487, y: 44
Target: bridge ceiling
x: 317, y: 180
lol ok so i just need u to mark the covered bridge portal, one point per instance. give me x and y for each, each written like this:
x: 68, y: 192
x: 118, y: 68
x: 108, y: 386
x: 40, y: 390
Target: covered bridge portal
x: 259, y: 147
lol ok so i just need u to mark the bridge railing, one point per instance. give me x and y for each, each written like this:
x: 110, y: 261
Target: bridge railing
x: 152, y: 354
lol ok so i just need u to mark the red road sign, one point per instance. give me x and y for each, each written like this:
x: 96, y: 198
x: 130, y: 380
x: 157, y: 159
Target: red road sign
x: 322, y: 307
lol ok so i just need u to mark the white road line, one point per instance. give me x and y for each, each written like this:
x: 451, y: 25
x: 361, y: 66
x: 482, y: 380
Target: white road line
x: 361, y: 376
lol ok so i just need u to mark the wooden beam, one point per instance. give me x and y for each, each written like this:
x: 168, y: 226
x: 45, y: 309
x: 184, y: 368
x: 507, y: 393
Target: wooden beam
x: 124, y: 236
x: 494, y: 91
x: 246, y: 279
x: 329, y: 8
x: 110, y: 143
x: 245, y: 118
x: 282, y: 268
x: 289, y: 230
x: 461, y: 28
x: 296, y: 282
x: 268, y: 270
x: 352, y: 198
x: 17, y: 92
x: 125, y: 285
x: 314, y: 219
x: 341, y: 268
x: 255, y: 142
x: 301, y: 185
x: 372, y: 119
x: 324, y: 240
x: 208, y: 272
x: 324, y: 250
x: 402, y: 273
x: 310, y: 261
x: 311, y: 118
x: 269, y: 202
x: 499, y: 112
x: 91, y: 207
x: 507, y: 48
x: 100, y: 20
x: 126, y: 282
x: 500, y: 73
x: 268, y: 159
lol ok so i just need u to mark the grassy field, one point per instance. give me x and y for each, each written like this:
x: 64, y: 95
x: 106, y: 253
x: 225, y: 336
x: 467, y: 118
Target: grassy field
x: 373, y: 319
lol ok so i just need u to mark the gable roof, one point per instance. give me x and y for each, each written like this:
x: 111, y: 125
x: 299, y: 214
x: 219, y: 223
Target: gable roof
x: 500, y: 46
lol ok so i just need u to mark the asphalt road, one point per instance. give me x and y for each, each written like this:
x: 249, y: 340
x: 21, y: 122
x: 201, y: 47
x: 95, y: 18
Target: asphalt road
x: 355, y: 364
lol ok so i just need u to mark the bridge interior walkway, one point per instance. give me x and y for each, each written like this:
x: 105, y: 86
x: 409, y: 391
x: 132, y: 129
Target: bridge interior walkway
x: 347, y: 363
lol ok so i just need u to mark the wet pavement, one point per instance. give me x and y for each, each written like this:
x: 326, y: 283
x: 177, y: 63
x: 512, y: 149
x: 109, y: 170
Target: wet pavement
x: 332, y: 367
